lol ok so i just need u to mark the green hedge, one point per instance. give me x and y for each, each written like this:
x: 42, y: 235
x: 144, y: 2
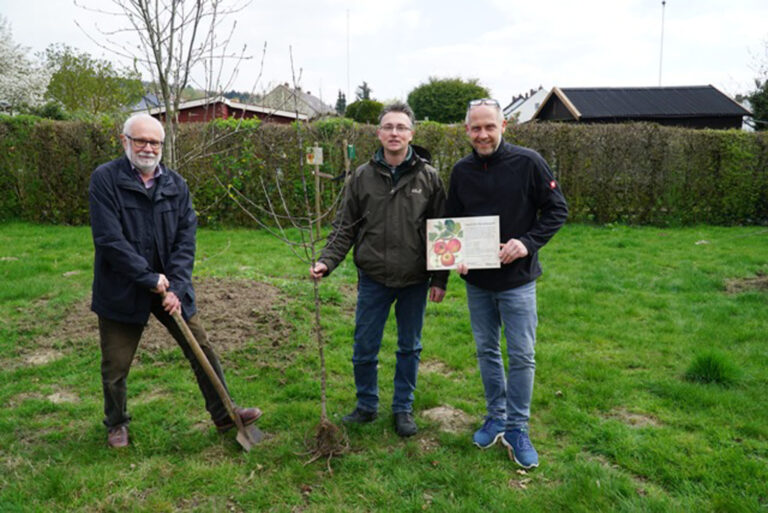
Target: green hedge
x: 631, y: 173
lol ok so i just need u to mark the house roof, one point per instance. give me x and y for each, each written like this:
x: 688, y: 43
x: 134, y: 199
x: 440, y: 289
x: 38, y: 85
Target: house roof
x: 644, y: 102
x: 191, y: 104
x: 523, y: 107
x: 148, y: 101
x: 282, y: 97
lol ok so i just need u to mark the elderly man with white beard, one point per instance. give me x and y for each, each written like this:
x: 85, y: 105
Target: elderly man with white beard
x: 144, y: 227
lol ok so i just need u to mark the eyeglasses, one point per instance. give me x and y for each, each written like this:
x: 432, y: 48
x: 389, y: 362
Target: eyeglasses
x: 140, y: 143
x: 483, y: 101
x: 394, y: 128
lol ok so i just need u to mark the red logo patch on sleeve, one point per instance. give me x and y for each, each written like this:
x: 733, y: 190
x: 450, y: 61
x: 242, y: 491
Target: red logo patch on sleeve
x: 552, y: 184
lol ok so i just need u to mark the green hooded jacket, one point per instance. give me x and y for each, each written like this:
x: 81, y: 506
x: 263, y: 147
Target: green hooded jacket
x: 386, y: 222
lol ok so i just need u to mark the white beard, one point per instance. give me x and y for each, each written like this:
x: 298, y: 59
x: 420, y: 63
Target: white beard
x: 145, y: 162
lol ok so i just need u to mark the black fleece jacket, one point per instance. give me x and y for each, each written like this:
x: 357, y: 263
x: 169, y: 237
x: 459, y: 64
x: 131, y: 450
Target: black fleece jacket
x: 516, y: 184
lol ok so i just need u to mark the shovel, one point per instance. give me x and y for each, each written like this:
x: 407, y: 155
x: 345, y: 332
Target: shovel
x: 247, y: 436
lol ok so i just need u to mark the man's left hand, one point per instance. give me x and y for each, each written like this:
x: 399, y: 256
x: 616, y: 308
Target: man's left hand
x: 512, y: 250
x: 171, y: 303
x: 436, y: 294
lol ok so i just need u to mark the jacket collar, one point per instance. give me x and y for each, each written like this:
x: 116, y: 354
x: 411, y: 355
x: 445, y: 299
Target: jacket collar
x: 493, y: 157
x: 378, y: 157
x: 402, y: 172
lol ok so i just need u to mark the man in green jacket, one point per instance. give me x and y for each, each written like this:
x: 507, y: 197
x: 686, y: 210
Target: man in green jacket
x: 386, y: 205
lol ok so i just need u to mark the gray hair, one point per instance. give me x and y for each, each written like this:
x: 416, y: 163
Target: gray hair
x: 141, y: 117
x: 497, y: 107
x: 398, y: 107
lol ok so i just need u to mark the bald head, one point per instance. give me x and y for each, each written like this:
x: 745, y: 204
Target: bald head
x: 495, y: 107
x: 485, y: 127
x: 146, y: 121
x: 142, y: 140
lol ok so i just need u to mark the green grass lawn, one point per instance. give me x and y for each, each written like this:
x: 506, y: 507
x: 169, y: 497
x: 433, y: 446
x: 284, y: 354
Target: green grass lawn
x: 651, y: 389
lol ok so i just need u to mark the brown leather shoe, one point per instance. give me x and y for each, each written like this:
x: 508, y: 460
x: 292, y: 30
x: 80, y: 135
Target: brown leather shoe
x: 118, y: 437
x: 247, y: 415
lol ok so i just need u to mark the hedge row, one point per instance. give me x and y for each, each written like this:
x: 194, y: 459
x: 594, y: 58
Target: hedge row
x: 632, y: 173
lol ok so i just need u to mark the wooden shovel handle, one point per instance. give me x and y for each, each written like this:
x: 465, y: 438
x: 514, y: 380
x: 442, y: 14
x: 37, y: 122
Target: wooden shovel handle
x: 208, y: 368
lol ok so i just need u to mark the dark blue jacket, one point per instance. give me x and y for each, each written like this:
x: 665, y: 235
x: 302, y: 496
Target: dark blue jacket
x: 127, y: 225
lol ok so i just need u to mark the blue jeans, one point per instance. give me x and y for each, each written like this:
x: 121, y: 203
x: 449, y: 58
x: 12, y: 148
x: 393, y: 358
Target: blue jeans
x: 515, y: 310
x: 373, y: 304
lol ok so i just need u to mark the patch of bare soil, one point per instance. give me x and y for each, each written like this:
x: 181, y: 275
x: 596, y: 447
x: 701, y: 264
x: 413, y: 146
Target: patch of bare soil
x: 637, y: 420
x: 428, y: 444
x: 63, y: 397
x: 20, y: 398
x: 42, y: 357
x: 449, y: 419
x: 434, y: 367
x: 232, y: 312
x: 738, y: 285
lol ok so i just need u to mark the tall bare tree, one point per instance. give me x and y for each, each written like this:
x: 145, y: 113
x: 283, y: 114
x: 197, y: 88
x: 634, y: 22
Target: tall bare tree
x: 299, y: 227
x: 177, y: 43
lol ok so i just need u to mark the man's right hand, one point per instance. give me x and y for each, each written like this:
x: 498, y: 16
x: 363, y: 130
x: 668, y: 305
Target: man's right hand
x: 162, y: 285
x: 318, y: 271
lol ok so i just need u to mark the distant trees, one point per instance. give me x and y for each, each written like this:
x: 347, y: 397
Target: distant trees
x: 364, y: 111
x: 758, y: 100
x: 241, y: 96
x: 445, y: 100
x: 22, y: 82
x: 87, y: 86
x: 363, y: 91
x: 170, y: 39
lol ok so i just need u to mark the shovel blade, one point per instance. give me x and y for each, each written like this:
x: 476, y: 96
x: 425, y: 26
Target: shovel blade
x: 249, y: 436
x: 244, y: 441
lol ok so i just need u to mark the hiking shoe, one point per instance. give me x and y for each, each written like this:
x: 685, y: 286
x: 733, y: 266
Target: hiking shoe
x: 520, y: 448
x: 247, y: 416
x: 404, y: 424
x: 490, y: 433
x: 117, y: 437
x: 359, y: 416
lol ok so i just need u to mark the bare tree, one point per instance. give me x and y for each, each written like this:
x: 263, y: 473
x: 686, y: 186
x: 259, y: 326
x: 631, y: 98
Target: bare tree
x: 300, y: 229
x: 177, y: 43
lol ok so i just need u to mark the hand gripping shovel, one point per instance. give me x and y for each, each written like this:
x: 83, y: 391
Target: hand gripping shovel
x: 247, y: 436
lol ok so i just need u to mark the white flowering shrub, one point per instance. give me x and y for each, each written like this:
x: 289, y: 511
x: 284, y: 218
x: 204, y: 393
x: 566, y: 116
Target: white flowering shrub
x: 22, y: 82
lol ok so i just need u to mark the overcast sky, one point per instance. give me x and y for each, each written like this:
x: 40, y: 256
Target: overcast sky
x: 511, y: 46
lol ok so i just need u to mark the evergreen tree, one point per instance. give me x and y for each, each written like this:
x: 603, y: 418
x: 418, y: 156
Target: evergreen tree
x: 341, y: 103
x: 364, y: 91
x: 758, y: 100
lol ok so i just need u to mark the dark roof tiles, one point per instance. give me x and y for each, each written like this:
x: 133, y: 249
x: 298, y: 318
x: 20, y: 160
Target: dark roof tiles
x: 652, y: 102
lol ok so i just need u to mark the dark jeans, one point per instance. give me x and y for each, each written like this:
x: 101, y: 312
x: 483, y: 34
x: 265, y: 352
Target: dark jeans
x: 374, y: 302
x: 118, y: 346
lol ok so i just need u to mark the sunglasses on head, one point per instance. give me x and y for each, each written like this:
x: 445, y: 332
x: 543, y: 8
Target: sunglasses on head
x: 483, y: 101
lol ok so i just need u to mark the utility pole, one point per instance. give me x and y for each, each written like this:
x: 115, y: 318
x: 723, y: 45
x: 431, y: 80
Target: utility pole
x: 347, y: 53
x: 661, y: 50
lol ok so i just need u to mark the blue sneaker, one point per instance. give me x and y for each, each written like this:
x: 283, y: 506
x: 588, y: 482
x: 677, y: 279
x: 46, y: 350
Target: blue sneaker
x: 489, y: 434
x: 520, y: 448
